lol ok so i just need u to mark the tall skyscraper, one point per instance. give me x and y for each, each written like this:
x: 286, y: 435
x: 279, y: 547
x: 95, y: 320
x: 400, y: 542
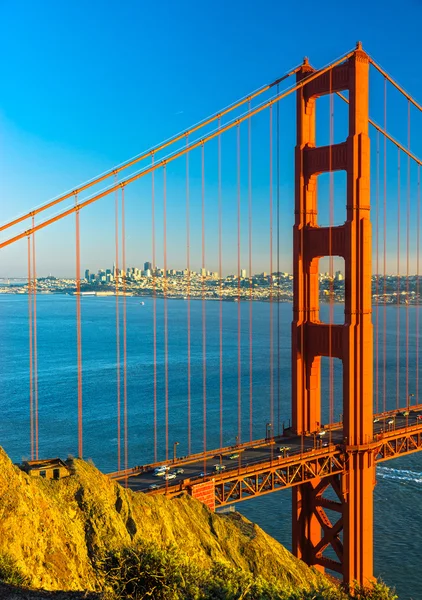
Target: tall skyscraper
x: 243, y: 273
x: 147, y: 266
x: 87, y: 274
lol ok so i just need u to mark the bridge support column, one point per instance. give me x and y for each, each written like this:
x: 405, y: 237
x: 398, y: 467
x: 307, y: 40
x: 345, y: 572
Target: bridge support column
x: 313, y: 531
x: 204, y: 492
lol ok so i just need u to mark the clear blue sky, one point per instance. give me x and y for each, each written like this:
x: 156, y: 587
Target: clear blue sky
x: 86, y: 85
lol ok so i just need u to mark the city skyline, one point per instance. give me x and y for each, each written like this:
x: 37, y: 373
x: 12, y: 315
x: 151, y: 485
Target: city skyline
x: 58, y: 139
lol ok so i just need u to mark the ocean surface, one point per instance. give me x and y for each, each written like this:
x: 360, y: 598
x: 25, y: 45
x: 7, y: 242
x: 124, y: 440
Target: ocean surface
x: 398, y: 493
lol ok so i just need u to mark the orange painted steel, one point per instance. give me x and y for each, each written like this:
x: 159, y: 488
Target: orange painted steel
x: 351, y: 342
x: 150, y: 153
x: 79, y: 333
x: 31, y: 377
x: 172, y: 157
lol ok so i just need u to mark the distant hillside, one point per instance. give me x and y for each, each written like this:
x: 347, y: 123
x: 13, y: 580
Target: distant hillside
x: 87, y: 533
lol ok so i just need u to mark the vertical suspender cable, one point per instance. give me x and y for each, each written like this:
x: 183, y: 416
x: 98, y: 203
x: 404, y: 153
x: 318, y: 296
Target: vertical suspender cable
x: 331, y: 260
x: 271, y: 275
x: 204, y: 313
x: 220, y: 270
x: 31, y: 382
x: 384, y: 383
x: 250, y: 276
x: 418, y: 226
x: 377, y: 194
x: 166, y: 340
x: 154, y: 306
x: 239, y: 325
x: 407, y: 253
x: 302, y: 335
x: 124, y: 275
x: 188, y: 297
x: 79, y: 331
x: 398, y: 287
x: 34, y: 338
x: 278, y: 257
x: 117, y: 276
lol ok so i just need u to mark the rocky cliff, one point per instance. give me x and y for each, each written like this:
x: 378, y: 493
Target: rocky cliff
x: 57, y: 532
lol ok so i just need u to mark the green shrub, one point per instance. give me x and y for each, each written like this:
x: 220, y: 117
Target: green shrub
x: 10, y: 572
x: 147, y: 571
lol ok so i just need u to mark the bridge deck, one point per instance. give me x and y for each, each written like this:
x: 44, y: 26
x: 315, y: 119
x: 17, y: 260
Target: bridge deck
x: 261, y: 467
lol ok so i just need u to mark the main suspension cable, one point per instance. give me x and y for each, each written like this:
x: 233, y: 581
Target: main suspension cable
x: 177, y: 154
x: 149, y: 153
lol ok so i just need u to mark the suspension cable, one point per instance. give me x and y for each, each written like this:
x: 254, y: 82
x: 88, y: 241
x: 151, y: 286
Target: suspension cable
x: 204, y: 312
x: 35, y: 339
x: 377, y: 193
x: 331, y: 259
x: 188, y: 291
x: 385, y: 133
x: 124, y: 275
x: 166, y: 339
x: 278, y: 259
x: 407, y: 256
x: 79, y: 332
x: 117, y: 276
x: 395, y: 84
x: 418, y: 226
x: 178, y: 153
x: 384, y: 406
x: 220, y: 269
x: 250, y: 277
x: 398, y: 287
x: 31, y: 382
x: 154, y: 306
x: 149, y: 153
x: 271, y: 268
x: 239, y: 325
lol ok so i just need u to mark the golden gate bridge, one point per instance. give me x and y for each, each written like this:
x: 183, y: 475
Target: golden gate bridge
x: 331, y: 468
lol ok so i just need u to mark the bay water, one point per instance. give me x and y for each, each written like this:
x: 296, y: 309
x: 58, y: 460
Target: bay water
x: 398, y: 493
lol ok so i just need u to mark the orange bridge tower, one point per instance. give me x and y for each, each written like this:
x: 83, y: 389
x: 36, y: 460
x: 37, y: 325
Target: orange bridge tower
x: 348, y: 535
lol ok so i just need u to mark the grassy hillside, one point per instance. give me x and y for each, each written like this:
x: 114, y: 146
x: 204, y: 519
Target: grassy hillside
x: 85, y: 532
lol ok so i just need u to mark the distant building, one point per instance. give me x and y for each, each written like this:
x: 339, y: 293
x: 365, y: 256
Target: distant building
x: 203, y: 272
x: 243, y: 273
x: 50, y: 468
x: 87, y: 274
x: 147, y: 266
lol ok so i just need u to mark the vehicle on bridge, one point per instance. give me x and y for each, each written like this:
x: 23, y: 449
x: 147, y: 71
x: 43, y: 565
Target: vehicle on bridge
x: 160, y: 471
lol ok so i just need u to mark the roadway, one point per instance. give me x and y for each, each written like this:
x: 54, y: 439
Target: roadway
x: 201, y: 467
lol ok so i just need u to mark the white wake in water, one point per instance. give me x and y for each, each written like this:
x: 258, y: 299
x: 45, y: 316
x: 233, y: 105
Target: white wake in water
x: 399, y: 474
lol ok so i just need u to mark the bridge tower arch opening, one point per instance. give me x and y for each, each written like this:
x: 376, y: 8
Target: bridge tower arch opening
x: 351, y: 535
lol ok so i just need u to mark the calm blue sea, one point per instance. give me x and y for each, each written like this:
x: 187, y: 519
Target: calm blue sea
x: 398, y: 494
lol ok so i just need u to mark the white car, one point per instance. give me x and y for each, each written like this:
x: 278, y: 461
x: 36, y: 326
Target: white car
x: 169, y: 476
x: 160, y: 471
x: 153, y: 486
